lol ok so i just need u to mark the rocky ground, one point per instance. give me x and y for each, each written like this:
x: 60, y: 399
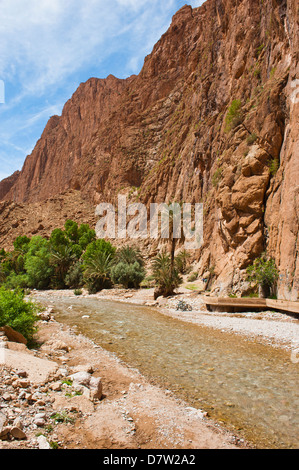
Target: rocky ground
x: 69, y: 393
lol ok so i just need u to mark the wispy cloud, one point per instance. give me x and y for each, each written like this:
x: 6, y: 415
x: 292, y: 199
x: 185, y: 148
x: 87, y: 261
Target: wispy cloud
x: 47, y: 47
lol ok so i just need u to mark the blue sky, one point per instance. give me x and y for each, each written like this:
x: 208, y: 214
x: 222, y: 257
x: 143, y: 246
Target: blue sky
x: 48, y: 47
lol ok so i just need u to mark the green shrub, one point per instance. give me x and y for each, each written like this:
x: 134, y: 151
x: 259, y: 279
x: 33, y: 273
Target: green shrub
x: 129, y: 255
x: 97, y: 271
x: 16, y: 281
x: 192, y: 277
x: 251, y: 138
x: 128, y: 275
x: 263, y: 271
x: 234, y: 115
x: 77, y: 292
x: 61, y: 259
x: 99, y: 246
x: 274, y: 165
x: 148, y: 282
x: 18, y: 313
x: 74, y: 276
x: 182, y: 261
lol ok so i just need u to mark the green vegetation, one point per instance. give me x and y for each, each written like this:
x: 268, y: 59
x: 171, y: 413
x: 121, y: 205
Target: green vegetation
x: 216, y: 178
x: 234, y: 115
x: 251, y: 138
x: 166, y: 275
x: 274, y: 165
x: 17, y: 313
x: 182, y: 261
x: 193, y: 277
x: 71, y: 258
x: 264, y: 273
x: 62, y: 417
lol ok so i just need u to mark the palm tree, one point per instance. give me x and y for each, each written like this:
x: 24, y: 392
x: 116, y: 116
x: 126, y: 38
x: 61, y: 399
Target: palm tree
x: 97, y: 271
x: 182, y: 261
x: 165, y: 275
x: 62, y: 258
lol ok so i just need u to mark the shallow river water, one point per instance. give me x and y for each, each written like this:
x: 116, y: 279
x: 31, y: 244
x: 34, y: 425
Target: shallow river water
x: 251, y: 388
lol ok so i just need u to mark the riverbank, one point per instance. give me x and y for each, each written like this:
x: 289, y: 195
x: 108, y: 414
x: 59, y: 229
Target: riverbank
x: 273, y: 328
x: 44, y: 411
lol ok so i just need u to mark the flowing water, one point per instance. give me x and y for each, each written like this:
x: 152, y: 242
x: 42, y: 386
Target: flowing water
x: 252, y: 389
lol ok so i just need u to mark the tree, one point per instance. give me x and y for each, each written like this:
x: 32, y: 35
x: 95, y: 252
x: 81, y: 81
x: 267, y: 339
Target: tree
x: 17, y: 313
x: 37, y: 263
x: 129, y: 275
x: 71, y: 231
x: 98, y: 246
x: 97, y: 271
x: 263, y: 271
x: 182, y: 261
x: 129, y: 255
x: 61, y: 259
x: 74, y: 276
x: 165, y: 275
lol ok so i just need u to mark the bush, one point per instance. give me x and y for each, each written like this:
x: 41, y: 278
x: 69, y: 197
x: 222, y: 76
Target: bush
x: 264, y: 272
x: 97, y: 271
x: 192, y: 277
x: 182, y: 261
x: 99, y: 246
x: 128, y: 275
x: 234, y: 115
x: 18, y: 313
x: 129, y: 255
x: 251, y: 138
x: 274, y: 165
x: 166, y: 276
x: 16, y: 281
x: 74, y: 277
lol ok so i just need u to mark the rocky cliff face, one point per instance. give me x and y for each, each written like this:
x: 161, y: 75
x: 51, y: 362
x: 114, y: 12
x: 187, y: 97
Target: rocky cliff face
x: 164, y: 136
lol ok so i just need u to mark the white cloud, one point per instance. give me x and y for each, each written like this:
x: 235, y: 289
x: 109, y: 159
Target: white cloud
x: 50, y: 45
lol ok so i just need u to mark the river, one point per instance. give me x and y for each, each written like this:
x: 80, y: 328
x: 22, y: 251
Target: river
x: 249, y: 387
